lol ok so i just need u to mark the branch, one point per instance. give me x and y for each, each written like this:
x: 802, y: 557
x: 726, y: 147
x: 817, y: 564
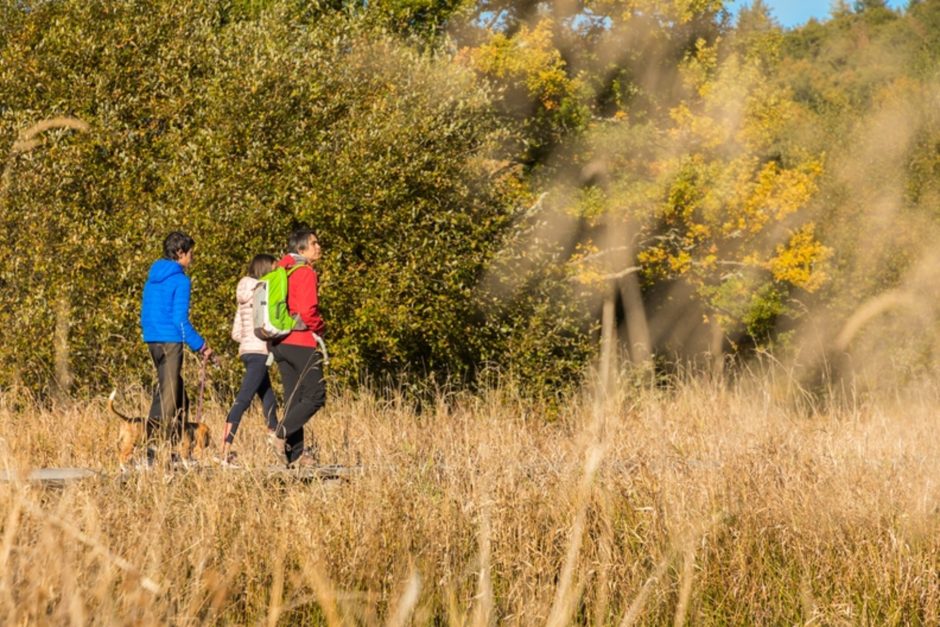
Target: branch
x: 494, y: 19
x: 535, y: 206
x: 619, y: 275
x: 613, y: 276
x: 508, y: 165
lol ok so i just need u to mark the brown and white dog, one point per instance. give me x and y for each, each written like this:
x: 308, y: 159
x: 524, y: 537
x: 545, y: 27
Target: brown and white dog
x: 137, y: 430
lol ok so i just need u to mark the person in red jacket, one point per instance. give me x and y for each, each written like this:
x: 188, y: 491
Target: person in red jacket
x: 298, y: 355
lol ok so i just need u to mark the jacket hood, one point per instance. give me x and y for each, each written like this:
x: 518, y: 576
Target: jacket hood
x: 289, y: 260
x: 162, y: 269
x: 245, y: 290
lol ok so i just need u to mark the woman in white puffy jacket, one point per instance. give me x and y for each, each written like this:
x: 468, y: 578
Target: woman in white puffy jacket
x: 254, y: 354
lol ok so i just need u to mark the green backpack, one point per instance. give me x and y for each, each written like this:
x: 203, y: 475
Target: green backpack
x: 271, y: 318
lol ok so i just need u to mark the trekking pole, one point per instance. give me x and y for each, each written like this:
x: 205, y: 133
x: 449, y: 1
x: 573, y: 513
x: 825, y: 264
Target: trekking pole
x: 322, y: 345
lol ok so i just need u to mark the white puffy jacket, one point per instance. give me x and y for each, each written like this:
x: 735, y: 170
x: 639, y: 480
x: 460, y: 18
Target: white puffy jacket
x: 242, y: 329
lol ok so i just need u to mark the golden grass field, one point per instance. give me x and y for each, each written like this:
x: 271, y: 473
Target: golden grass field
x: 701, y: 503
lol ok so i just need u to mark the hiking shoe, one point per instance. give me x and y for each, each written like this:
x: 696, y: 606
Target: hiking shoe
x: 308, y: 460
x: 229, y: 461
x: 178, y: 461
x: 312, y: 450
x: 279, y: 445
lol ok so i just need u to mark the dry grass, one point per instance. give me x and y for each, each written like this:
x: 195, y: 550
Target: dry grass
x: 699, y: 505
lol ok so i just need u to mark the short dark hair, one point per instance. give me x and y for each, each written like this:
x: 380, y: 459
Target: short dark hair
x: 176, y: 244
x: 297, y: 242
x: 260, y: 265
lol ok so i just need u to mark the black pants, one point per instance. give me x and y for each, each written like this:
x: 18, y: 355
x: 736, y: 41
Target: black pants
x: 255, y: 382
x: 304, y: 392
x: 170, y: 407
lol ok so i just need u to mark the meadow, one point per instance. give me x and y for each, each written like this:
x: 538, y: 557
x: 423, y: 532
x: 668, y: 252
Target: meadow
x: 497, y: 187
x: 701, y: 502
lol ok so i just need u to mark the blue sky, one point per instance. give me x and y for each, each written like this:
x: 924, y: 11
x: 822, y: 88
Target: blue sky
x: 795, y: 12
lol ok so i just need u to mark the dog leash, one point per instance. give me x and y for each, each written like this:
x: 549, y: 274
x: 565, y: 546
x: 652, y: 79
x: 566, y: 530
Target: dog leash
x: 202, y: 385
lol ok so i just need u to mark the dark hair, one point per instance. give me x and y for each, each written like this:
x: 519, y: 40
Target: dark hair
x: 261, y: 265
x: 297, y: 242
x: 176, y: 244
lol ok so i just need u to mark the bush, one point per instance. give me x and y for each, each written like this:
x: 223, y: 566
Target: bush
x: 236, y: 126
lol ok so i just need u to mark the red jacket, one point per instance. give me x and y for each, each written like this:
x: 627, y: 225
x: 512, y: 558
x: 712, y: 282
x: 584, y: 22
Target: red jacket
x: 302, y: 300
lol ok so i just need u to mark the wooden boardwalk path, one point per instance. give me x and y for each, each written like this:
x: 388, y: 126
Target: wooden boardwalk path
x: 57, y: 477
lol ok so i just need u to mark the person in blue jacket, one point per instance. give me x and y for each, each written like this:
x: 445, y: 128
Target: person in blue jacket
x: 164, y: 319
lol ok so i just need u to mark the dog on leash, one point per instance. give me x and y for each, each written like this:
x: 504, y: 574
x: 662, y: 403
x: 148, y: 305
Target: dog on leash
x: 137, y: 430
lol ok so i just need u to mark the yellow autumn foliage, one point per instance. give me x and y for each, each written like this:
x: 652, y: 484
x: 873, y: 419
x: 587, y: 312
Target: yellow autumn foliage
x: 802, y: 260
x: 530, y: 57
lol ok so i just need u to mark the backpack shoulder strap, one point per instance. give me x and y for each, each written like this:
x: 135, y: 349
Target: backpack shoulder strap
x: 298, y: 266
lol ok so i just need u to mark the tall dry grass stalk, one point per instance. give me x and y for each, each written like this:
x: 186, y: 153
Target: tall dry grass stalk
x: 698, y: 504
x: 30, y: 138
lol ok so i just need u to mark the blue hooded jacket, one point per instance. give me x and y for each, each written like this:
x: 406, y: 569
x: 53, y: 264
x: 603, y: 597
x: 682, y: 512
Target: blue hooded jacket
x: 164, y: 314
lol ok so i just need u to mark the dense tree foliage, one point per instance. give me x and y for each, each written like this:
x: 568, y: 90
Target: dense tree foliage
x: 237, y: 130
x: 483, y: 174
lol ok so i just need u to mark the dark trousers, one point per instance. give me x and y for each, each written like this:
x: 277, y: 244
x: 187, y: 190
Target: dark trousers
x: 170, y: 406
x: 255, y: 382
x: 304, y: 392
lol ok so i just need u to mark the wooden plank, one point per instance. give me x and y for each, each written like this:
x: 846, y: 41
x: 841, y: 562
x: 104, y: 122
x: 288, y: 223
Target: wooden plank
x: 49, y: 476
x: 61, y: 476
x: 321, y: 473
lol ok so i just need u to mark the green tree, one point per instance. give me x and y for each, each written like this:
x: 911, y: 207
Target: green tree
x: 236, y: 130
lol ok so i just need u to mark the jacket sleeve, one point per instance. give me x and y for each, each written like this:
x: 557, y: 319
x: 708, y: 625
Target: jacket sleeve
x: 304, y: 299
x: 244, y: 294
x: 181, y: 315
x: 236, y: 325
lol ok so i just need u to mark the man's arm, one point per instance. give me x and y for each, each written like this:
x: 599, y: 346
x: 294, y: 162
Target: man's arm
x: 303, y: 295
x: 181, y: 316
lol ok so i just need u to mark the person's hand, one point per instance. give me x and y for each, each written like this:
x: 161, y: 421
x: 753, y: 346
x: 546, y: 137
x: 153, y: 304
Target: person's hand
x: 208, y: 355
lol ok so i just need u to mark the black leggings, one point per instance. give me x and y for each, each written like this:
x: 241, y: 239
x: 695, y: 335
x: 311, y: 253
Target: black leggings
x: 255, y: 381
x: 304, y: 392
